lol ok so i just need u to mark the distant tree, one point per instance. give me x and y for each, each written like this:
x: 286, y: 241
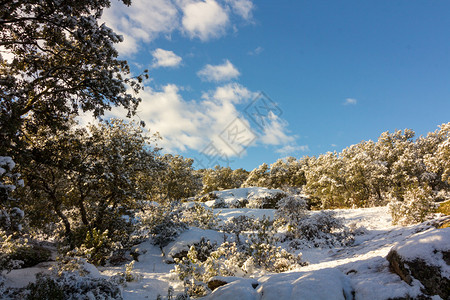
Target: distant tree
x: 221, y: 178
x: 438, y: 157
x: 325, y: 180
x: 177, y: 179
x: 56, y: 59
x: 258, y: 177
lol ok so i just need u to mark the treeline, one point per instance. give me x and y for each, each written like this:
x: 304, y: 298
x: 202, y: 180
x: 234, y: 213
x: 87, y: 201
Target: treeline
x: 362, y: 175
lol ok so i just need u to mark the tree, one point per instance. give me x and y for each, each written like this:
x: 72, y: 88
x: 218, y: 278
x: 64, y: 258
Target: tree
x: 177, y: 179
x: 325, y: 181
x: 88, y: 177
x: 258, y: 177
x: 438, y: 160
x: 221, y: 178
x: 55, y: 59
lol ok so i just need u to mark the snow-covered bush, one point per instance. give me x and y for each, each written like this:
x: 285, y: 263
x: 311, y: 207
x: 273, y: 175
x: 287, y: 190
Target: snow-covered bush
x: 71, y: 286
x: 10, y: 216
x: 290, y: 210
x: 200, y: 216
x: 191, y: 271
x: 8, y: 246
x: 241, y: 258
x: 416, y: 206
x: 237, y: 225
x: 162, y: 222
x: 320, y: 229
x: 262, y: 251
x: 97, y: 247
x: 171, y: 295
x: 128, y: 276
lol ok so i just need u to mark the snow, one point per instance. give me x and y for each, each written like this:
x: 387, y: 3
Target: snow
x: 421, y: 245
x: 22, y: 277
x: 326, y: 284
x: 190, y: 237
x: 241, y: 289
x: 226, y: 214
x: 234, y: 197
x: 8, y: 162
x: 361, y: 268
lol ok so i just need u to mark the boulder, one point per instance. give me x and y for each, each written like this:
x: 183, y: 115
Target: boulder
x: 425, y: 257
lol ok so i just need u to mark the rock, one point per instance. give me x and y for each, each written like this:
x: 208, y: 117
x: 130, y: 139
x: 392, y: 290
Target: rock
x: 425, y: 257
x: 219, y: 281
x: 215, y: 283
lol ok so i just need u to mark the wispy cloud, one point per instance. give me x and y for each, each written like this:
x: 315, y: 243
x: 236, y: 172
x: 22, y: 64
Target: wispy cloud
x: 223, y: 72
x: 256, y: 51
x: 274, y: 131
x: 165, y: 58
x: 292, y: 149
x: 242, y: 8
x: 350, y: 101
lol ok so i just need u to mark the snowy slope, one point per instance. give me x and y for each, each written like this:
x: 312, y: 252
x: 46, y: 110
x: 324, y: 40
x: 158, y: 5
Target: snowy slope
x: 361, y: 268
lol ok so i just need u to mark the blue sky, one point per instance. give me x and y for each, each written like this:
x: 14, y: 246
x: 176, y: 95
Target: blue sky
x: 331, y: 73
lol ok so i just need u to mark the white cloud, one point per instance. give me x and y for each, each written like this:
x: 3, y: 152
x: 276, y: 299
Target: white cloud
x: 223, y: 72
x: 165, y: 58
x: 350, y: 101
x: 292, y: 149
x: 204, y: 19
x: 144, y: 21
x: 141, y: 21
x: 242, y: 8
x: 274, y: 132
x: 212, y: 120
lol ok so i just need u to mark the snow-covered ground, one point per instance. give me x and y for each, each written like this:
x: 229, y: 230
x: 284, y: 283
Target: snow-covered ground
x: 333, y: 273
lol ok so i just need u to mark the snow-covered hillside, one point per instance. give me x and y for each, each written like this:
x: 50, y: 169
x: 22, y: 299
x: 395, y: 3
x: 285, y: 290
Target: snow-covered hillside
x: 359, y: 271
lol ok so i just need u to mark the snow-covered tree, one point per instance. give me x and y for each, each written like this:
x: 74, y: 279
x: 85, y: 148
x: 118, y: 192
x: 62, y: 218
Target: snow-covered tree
x: 10, y: 214
x: 325, y: 180
x: 87, y: 178
x: 222, y: 178
x: 177, y: 179
x: 258, y: 177
x: 438, y: 158
x: 416, y: 206
x: 55, y: 59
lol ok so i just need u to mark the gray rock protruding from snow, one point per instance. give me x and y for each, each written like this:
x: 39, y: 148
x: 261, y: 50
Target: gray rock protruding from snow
x: 425, y: 257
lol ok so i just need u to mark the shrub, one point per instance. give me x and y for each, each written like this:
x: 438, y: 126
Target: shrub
x: 45, y: 287
x: 237, y: 225
x: 200, y: 216
x: 290, y: 211
x: 96, y: 248
x: 416, y: 206
x: 8, y: 247
x: 127, y: 276
x: 320, y: 229
x: 162, y: 222
x: 31, y: 255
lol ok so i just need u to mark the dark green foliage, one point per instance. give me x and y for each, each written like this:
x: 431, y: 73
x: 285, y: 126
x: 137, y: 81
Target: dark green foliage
x: 64, y: 60
x: 70, y: 286
x: 31, y: 255
x: 45, y: 288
